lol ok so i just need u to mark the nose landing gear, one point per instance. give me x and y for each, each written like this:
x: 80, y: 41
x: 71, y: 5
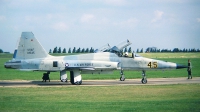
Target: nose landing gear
x: 144, y: 79
x: 122, y: 78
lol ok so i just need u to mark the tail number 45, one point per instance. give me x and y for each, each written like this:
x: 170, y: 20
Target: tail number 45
x: 153, y: 65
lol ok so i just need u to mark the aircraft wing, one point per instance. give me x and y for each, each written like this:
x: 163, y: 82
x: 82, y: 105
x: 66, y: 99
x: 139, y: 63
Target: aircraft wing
x: 92, y: 67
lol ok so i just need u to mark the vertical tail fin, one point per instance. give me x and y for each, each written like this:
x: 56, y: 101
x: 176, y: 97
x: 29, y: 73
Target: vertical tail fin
x: 29, y: 47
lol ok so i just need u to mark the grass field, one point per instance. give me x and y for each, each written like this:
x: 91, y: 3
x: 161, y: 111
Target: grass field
x: 155, y: 98
x: 180, y: 58
x: 162, y: 98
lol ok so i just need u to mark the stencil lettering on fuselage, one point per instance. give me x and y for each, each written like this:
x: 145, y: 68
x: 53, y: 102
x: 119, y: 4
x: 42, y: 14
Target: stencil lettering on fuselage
x: 30, y: 51
x: 83, y: 64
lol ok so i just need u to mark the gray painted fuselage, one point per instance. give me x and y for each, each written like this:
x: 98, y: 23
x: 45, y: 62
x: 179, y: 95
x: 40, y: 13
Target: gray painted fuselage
x: 92, y: 61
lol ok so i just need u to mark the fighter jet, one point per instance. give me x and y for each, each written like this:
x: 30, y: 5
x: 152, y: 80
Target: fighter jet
x: 31, y: 56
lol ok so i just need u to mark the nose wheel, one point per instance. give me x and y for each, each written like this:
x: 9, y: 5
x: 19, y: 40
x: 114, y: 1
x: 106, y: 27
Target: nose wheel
x: 144, y: 79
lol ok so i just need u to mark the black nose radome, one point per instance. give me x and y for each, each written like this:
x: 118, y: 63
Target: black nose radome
x: 180, y: 66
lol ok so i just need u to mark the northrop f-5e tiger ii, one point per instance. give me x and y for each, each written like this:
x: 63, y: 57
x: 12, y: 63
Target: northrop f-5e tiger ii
x: 31, y: 56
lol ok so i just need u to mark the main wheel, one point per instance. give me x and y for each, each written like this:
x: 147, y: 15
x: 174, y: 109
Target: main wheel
x: 78, y: 83
x: 64, y: 80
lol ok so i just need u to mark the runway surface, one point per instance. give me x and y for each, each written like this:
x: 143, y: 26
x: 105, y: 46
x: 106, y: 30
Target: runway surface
x: 57, y: 83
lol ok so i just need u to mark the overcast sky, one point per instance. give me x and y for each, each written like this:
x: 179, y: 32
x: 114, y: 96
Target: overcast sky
x: 94, y: 23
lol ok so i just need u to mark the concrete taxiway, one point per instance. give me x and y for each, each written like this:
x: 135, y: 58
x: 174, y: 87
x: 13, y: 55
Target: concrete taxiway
x: 57, y: 83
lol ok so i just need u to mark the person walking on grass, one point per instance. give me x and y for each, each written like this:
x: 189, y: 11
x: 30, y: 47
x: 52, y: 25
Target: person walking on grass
x: 189, y: 70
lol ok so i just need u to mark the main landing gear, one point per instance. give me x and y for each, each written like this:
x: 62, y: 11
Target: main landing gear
x: 144, y: 79
x: 63, y: 76
x: 75, y: 78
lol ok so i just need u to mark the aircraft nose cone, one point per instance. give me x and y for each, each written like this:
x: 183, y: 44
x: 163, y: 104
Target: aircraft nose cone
x: 178, y: 66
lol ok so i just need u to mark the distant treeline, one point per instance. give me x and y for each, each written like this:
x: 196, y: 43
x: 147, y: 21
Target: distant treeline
x: 1, y: 51
x: 148, y: 50
x: 91, y: 50
x: 175, y: 50
x: 79, y: 50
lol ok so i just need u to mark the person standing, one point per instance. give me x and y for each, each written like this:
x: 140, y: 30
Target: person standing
x: 189, y: 70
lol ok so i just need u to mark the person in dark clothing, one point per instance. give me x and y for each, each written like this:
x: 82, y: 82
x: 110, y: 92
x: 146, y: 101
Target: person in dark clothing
x: 46, y: 77
x: 189, y: 70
